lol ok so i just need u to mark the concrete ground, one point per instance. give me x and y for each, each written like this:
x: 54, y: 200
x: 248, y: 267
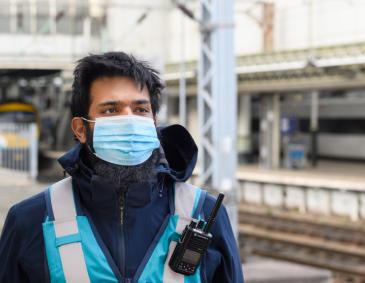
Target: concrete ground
x: 263, y: 270
x: 15, y: 187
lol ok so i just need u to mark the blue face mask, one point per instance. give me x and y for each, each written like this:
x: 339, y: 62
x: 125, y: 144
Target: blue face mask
x: 124, y: 140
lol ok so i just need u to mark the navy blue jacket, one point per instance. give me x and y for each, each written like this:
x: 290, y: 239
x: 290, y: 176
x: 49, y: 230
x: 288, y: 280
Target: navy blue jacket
x: 22, y: 254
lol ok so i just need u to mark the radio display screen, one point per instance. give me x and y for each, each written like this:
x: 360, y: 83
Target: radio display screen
x: 191, y: 257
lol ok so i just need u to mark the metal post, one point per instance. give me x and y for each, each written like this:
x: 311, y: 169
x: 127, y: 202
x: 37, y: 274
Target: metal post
x: 182, y: 81
x: 314, y: 126
x: 33, y: 16
x: 87, y: 34
x: 217, y: 101
x: 244, y: 127
x: 276, y: 131
x: 268, y: 26
x: 52, y: 16
x: 13, y: 16
x: 270, y: 132
x: 33, y: 151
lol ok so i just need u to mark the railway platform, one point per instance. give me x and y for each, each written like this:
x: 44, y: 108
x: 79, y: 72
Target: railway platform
x: 332, y: 188
x: 263, y: 270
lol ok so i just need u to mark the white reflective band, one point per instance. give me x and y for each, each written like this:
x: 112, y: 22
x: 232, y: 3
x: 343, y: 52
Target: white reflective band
x: 170, y: 276
x: 73, y: 263
x: 65, y: 223
x: 65, y: 227
x: 185, y: 195
x: 62, y: 199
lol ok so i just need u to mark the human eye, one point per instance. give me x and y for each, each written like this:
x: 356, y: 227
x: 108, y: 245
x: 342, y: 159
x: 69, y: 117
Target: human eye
x: 142, y: 110
x: 110, y: 110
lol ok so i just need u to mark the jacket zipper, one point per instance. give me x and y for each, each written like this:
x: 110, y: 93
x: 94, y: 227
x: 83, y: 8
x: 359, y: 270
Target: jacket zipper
x: 122, y: 239
x: 122, y: 216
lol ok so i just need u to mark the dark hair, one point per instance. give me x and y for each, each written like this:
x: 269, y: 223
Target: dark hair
x: 112, y: 64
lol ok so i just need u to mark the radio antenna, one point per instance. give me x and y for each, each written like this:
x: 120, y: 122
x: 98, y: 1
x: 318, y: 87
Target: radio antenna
x: 214, y: 212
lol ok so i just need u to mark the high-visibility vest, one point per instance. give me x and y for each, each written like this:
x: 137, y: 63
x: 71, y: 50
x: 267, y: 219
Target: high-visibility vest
x: 75, y: 253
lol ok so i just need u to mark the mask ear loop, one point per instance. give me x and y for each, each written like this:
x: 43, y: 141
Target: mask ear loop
x: 87, y: 120
x: 88, y: 145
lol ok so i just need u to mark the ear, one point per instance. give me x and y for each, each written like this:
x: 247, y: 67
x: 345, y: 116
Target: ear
x: 78, y: 128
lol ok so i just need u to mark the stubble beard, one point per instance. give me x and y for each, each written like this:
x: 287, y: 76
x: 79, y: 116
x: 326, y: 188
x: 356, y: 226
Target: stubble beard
x: 122, y: 176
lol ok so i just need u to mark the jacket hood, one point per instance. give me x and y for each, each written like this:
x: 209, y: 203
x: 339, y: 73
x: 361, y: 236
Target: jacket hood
x: 177, y: 144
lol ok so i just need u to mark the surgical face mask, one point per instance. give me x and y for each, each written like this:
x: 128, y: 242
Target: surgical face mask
x: 124, y: 140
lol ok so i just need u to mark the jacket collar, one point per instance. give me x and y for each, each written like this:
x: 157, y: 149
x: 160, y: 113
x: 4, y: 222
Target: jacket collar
x: 102, y: 194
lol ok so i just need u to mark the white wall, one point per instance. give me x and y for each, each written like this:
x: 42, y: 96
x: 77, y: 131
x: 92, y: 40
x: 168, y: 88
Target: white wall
x: 248, y: 37
x: 333, y: 22
x: 42, y: 45
x: 149, y: 39
x: 160, y: 36
x: 298, y: 24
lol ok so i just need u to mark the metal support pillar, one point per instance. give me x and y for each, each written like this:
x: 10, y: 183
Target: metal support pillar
x: 192, y: 116
x: 244, y: 127
x: 13, y: 90
x: 52, y: 16
x: 314, y: 127
x: 13, y: 16
x: 182, y: 81
x: 33, y: 16
x: 217, y: 101
x: 268, y: 26
x: 33, y: 152
x: 87, y: 34
x: 270, y: 132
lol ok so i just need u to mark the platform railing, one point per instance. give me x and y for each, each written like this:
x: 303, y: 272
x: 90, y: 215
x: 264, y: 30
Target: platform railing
x: 19, y: 148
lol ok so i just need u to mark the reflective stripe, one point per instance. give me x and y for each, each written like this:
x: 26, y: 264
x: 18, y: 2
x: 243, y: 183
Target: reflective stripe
x: 185, y: 195
x: 62, y: 199
x: 65, y: 225
x: 186, y: 202
x: 169, y: 276
x: 73, y: 263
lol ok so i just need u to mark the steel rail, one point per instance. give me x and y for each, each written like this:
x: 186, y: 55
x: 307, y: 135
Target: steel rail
x: 336, y: 246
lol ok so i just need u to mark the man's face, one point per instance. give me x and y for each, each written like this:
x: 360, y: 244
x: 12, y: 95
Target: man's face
x: 112, y: 96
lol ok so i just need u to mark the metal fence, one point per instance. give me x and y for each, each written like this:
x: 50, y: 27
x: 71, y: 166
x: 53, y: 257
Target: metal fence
x: 19, y: 148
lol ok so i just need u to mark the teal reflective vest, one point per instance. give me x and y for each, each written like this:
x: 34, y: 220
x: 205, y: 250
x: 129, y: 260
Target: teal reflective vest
x: 74, y: 254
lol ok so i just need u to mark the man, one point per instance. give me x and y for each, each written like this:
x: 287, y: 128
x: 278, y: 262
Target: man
x: 119, y: 215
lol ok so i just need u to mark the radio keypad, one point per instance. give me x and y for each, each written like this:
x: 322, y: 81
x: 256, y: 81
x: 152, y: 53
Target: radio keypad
x: 186, y: 267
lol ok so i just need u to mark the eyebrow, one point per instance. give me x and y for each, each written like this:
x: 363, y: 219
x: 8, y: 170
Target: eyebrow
x: 141, y: 101
x: 109, y: 103
x: 117, y: 102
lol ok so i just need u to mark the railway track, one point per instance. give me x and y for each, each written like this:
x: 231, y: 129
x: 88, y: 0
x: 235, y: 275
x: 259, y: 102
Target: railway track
x: 326, y: 243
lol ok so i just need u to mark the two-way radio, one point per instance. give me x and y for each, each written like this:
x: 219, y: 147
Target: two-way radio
x: 193, y: 243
